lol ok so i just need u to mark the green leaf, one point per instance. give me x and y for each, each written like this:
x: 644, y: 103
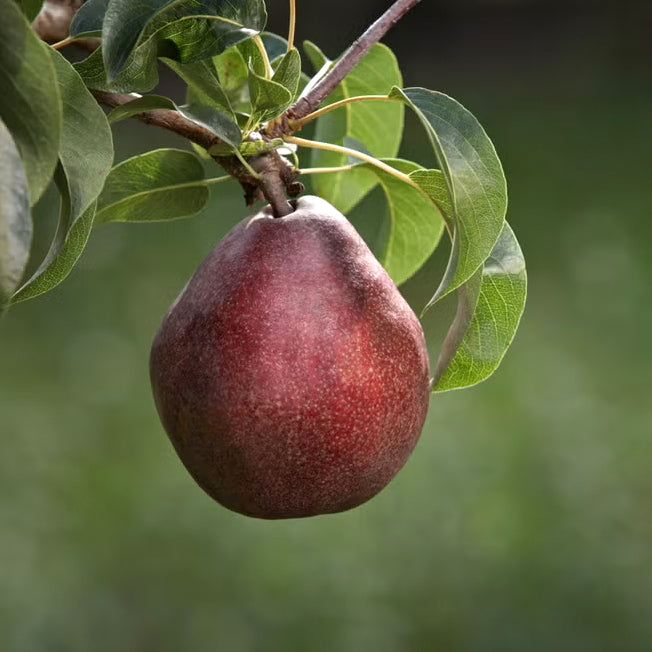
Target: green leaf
x: 275, y: 45
x: 216, y: 121
x: 288, y: 71
x: 197, y: 28
x: 203, y: 83
x: 268, y: 98
x: 29, y: 98
x: 86, y: 150
x: 60, y: 260
x: 252, y: 57
x: 319, y: 61
x: 232, y: 69
x: 475, y: 179
x: 163, y: 184
x: 415, y: 223
x: 31, y: 8
x: 233, y: 72
x: 139, y: 75
x: 89, y: 18
x: 378, y: 126
x: 85, y: 155
x: 490, y: 305
x: 15, y: 219
x: 144, y: 103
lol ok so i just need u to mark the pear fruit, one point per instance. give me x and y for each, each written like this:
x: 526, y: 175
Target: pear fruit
x: 290, y: 374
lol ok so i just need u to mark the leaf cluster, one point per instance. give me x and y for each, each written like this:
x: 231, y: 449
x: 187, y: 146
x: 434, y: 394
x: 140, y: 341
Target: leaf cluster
x: 240, y: 82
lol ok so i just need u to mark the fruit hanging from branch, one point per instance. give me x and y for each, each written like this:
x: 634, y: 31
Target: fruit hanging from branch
x: 291, y: 376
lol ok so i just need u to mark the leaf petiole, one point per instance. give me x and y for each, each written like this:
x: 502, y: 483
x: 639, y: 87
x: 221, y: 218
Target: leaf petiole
x: 269, y: 72
x: 300, y: 122
x: 315, y: 144
x: 213, y: 180
x: 338, y: 168
x: 293, y: 20
x: 248, y: 167
x: 62, y: 44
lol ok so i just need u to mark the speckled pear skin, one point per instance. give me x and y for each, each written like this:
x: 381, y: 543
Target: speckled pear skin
x: 290, y: 374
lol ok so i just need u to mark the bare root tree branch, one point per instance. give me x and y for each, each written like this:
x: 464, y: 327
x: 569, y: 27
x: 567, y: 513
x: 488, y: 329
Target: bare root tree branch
x: 309, y: 102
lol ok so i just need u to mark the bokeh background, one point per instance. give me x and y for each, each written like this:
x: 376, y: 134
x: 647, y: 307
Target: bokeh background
x: 523, y: 520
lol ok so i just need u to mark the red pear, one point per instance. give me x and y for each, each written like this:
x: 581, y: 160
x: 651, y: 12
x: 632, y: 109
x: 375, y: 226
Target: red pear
x: 290, y: 374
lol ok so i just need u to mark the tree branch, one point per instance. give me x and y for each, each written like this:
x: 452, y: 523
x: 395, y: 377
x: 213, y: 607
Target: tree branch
x: 53, y: 21
x: 53, y: 24
x: 349, y: 59
x: 276, y: 175
x: 164, y: 118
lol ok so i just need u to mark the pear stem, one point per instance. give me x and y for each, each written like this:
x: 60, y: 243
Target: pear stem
x: 273, y: 176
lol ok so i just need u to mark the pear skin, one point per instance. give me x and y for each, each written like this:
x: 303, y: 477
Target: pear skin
x: 290, y: 374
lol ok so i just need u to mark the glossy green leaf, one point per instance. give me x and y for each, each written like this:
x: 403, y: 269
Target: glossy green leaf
x: 89, y: 18
x: 490, y: 305
x: 275, y: 46
x: 415, y: 223
x: 197, y: 28
x: 268, y: 98
x: 140, y: 75
x: 232, y: 73
x: 376, y: 127
x: 144, y: 103
x: 320, y: 62
x: 86, y: 149
x: 163, y: 184
x: 85, y: 155
x: 232, y: 69
x: 31, y: 8
x: 60, y: 259
x: 15, y: 218
x: 474, y: 176
x: 29, y: 98
x: 216, y: 121
x: 288, y: 71
x: 203, y: 83
x: 252, y: 57
x: 433, y: 183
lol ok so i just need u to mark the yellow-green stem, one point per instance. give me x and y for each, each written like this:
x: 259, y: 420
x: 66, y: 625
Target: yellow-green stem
x: 300, y: 122
x: 293, y: 20
x: 315, y: 144
x: 269, y: 72
x: 62, y: 44
x: 339, y: 168
x: 248, y: 167
x: 211, y: 181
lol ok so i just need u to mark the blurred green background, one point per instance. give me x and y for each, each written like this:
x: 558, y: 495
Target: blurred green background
x: 523, y: 519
